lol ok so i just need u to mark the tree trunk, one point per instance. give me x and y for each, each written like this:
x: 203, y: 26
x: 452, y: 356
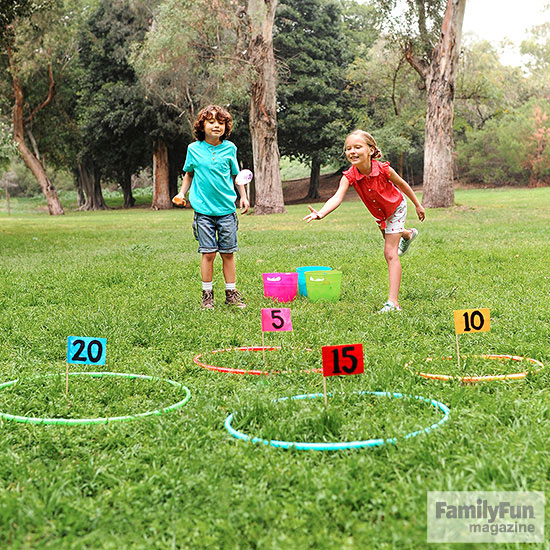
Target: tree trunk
x: 440, y: 77
x: 400, y: 163
x: 175, y: 165
x: 90, y: 183
x: 34, y: 165
x: 126, y: 185
x: 440, y: 87
x: 80, y: 196
x: 314, y: 179
x: 263, y: 110
x: 161, y: 177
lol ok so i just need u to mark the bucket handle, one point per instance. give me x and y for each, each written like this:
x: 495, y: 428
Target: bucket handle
x: 273, y: 279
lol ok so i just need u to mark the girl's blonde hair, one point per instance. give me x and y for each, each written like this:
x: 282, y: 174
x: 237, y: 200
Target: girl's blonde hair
x: 369, y: 140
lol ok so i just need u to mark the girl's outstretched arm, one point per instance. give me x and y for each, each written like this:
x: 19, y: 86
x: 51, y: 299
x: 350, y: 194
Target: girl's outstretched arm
x: 332, y: 204
x: 407, y: 189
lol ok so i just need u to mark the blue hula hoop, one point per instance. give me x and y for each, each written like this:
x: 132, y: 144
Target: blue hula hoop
x: 105, y: 420
x: 305, y: 446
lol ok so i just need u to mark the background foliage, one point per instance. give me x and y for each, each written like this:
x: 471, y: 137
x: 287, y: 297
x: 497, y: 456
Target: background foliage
x: 130, y: 72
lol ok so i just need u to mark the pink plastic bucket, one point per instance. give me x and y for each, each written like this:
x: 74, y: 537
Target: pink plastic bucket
x: 282, y: 287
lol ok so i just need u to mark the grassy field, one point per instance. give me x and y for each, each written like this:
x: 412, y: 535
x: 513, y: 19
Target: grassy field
x: 180, y: 480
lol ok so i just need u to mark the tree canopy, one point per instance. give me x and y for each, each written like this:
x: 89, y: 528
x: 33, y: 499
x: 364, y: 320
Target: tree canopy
x: 95, y: 90
x: 312, y: 93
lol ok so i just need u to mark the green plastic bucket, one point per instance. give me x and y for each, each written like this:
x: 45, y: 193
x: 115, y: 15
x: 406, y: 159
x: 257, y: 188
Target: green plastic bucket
x: 302, y: 289
x: 323, y: 285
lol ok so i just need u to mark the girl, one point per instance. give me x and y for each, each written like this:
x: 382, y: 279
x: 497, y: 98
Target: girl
x: 210, y: 168
x: 381, y: 189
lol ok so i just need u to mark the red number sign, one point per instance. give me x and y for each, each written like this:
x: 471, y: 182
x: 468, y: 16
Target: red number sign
x: 338, y: 360
x: 276, y: 319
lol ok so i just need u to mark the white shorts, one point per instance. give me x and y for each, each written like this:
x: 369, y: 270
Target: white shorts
x: 396, y: 222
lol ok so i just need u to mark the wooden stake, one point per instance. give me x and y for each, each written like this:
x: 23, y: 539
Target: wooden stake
x: 67, y: 381
x: 458, y: 352
x: 263, y: 346
x: 325, y: 389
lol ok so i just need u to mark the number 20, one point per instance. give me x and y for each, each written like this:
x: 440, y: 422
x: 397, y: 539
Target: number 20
x: 93, y: 357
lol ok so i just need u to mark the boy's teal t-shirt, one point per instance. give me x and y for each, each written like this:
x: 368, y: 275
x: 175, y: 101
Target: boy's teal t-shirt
x: 212, y: 190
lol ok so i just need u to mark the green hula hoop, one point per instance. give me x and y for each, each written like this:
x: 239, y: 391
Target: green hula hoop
x: 106, y: 420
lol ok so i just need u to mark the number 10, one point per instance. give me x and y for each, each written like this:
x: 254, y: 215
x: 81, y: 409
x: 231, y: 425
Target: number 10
x: 472, y: 320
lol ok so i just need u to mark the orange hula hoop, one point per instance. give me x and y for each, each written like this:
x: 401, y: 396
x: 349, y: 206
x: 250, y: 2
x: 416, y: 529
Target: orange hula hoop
x: 197, y: 360
x: 485, y: 378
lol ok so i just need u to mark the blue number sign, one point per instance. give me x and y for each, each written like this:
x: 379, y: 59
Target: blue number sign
x: 86, y: 351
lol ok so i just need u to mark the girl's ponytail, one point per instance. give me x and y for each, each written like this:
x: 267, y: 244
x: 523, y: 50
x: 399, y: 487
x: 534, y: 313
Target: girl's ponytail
x: 369, y: 140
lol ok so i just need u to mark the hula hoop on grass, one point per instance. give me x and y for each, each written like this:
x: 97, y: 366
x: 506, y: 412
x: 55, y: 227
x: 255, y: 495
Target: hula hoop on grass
x: 243, y: 371
x: 306, y: 446
x: 83, y: 421
x: 484, y: 378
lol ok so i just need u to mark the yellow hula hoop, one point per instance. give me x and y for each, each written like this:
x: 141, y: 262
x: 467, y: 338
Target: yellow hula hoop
x: 485, y: 378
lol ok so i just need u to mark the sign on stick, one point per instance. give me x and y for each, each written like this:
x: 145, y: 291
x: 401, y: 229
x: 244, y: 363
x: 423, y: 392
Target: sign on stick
x: 342, y: 360
x: 276, y: 319
x: 86, y: 350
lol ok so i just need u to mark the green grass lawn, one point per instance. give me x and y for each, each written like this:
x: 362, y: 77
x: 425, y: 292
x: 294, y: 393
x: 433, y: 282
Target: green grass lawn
x: 180, y: 481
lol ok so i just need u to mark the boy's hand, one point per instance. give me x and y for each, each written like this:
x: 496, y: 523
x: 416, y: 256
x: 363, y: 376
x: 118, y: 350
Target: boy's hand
x: 420, y: 212
x: 314, y: 215
x: 179, y: 200
x: 245, y: 205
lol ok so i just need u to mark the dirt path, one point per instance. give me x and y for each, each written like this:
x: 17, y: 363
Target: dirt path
x: 295, y: 191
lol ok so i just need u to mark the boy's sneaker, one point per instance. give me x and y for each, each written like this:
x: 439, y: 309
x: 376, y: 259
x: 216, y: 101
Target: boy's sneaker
x: 389, y: 306
x: 234, y: 298
x: 207, y: 299
x: 404, y: 244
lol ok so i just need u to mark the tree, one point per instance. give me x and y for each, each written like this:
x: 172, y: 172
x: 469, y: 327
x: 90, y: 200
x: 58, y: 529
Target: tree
x: 309, y: 40
x: 28, y: 57
x: 536, y: 47
x: 8, y: 151
x: 386, y: 105
x: 8, y: 148
x: 201, y: 52
x: 187, y: 60
x: 114, y: 115
x: 485, y: 88
x: 512, y: 149
x: 263, y: 108
x: 433, y: 51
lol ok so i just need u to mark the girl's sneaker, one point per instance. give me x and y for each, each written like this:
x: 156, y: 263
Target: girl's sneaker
x: 404, y: 244
x: 389, y: 306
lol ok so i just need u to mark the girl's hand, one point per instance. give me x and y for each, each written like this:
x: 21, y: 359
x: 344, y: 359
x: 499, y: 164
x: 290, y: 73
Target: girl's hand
x: 420, y: 212
x: 313, y: 216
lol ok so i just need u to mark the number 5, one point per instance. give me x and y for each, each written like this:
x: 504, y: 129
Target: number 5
x: 275, y: 315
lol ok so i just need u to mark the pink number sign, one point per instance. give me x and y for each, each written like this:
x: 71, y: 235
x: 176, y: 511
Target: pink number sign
x: 276, y: 319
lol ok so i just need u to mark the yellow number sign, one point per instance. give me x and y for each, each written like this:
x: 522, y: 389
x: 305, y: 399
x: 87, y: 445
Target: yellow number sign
x: 472, y: 320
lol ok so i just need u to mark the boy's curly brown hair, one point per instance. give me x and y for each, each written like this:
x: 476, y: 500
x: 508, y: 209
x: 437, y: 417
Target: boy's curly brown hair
x: 212, y: 111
